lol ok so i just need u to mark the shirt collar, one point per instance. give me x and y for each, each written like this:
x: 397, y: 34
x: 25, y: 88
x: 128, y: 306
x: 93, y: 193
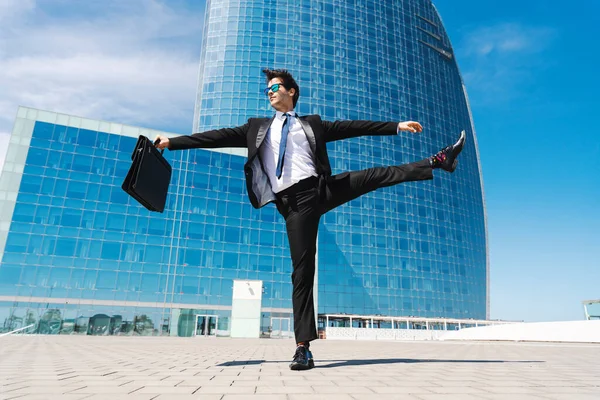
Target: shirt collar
x: 279, y: 114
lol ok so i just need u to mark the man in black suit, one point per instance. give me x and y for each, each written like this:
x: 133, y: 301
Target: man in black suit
x: 288, y: 165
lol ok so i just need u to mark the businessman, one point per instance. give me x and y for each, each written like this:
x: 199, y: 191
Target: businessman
x: 288, y: 165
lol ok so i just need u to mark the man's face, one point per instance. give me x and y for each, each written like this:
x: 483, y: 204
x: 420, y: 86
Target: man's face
x: 282, y: 99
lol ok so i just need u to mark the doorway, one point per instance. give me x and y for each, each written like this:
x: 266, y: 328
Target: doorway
x: 281, y: 327
x: 206, y: 325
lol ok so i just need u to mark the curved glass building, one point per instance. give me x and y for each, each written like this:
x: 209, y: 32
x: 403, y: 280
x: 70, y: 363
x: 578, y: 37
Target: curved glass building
x: 414, y: 249
x: 77, y: 255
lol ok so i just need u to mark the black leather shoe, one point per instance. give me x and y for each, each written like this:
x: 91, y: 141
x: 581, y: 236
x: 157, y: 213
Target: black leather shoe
x: 302, y: 359
x: 446, y: 158
x: 311, y: 362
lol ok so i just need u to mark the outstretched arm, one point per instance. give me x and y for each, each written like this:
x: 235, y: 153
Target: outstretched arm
x: 339, y: 130
x: 410, y: 126
x: 226, y: 137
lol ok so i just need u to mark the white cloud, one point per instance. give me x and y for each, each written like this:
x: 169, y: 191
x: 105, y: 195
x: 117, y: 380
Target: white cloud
x: 502, y: 60
x: 133, y: 62
x: 506, y: 38
x: 14, y: 8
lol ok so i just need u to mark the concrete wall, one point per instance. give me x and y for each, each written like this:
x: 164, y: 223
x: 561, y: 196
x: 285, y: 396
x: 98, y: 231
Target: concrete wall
x: 245, y: 309
x: 567, y: 331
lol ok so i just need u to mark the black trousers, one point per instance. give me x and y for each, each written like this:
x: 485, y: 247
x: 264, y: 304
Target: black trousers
x: 302, y: 206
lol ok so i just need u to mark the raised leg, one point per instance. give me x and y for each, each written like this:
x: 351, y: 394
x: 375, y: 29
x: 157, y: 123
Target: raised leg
x: 348, y: 186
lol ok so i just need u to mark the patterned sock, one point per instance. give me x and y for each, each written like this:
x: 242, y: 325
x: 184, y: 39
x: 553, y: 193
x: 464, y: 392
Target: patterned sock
x: 437, y: 159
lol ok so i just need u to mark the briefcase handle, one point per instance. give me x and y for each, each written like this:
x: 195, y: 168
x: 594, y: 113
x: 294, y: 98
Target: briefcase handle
x: 157, y: 141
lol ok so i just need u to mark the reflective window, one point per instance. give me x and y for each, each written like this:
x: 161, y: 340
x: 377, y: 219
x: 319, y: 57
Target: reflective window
x: 75, y: 229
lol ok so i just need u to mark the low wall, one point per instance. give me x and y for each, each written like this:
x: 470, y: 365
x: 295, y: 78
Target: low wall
x: 563, y: 331
x: 381, y: 334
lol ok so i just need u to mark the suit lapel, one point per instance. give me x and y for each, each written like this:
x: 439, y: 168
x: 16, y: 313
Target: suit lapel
x: 310, y: 134
x: 262, y: 131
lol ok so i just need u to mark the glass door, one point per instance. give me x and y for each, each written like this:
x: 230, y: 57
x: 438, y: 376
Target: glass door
x: 206, y: 325
x: 280, y: 327
x: 275, y: 327
x: 211, y: 325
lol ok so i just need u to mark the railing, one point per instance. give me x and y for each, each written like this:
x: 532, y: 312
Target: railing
x: 17, y: 330
x: 333, y: 333
x: 379, y: 327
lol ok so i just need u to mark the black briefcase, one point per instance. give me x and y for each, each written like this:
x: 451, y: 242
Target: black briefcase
x: 149, y: 176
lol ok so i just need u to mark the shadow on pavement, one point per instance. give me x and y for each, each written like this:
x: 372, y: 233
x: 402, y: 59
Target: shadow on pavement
x: 239, y: 363
x: 377, y: 361
x: 347, y: 363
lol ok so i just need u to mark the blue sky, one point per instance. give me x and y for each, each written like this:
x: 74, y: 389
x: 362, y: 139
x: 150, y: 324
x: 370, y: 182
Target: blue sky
x: 531, y: 69
x: 531, y: 74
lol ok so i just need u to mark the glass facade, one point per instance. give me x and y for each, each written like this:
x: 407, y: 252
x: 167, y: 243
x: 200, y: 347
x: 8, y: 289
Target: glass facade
x: 79, y: 256
x: 591, y: 309
x: 79, y: 249
x: 414, y: 249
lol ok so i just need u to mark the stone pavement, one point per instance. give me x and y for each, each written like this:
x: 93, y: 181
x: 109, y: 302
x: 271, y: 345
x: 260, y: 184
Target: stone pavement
x: 84, y: 367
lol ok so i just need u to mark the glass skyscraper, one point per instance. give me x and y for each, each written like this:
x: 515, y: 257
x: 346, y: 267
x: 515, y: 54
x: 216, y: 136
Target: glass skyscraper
x: 77, y: 255
x: 414, y: 249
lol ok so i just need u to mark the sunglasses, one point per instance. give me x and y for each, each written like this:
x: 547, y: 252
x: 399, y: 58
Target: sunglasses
x: 274, y: 88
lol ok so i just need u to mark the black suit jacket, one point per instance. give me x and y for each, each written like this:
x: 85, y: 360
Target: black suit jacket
x: 251, y: 135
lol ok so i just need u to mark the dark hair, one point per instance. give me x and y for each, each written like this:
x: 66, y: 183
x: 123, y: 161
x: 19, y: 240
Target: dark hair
x: 287, y: 80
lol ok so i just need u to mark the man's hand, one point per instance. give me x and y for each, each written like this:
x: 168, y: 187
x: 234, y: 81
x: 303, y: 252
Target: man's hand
x: 410, y: 126
x: 164, y: 142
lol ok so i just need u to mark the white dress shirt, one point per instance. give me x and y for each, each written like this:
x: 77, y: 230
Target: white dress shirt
x: 298, y: 161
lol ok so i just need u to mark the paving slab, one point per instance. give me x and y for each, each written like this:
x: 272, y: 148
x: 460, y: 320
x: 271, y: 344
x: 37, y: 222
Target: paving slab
x: 156, y: 368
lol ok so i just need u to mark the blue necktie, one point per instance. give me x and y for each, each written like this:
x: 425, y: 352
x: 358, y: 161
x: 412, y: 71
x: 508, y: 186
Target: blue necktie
x: 284, y: 134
